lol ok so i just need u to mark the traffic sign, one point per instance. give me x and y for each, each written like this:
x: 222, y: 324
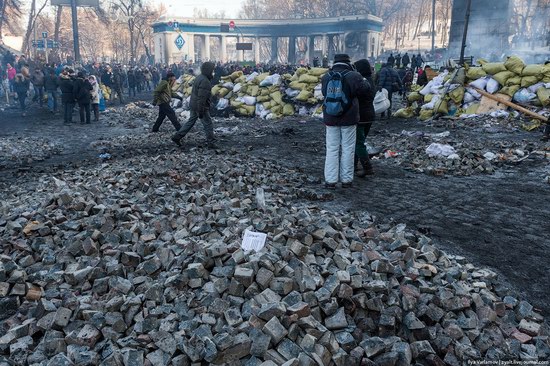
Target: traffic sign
x: 44, y: 35
x: 179, y: 41
x: 176, y: 25
x: 170, y: 24
x: 232, y: 25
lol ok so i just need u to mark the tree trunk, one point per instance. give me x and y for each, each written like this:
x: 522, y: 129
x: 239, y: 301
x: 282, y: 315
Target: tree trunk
x: 28, y: 32
x: 2, y: 15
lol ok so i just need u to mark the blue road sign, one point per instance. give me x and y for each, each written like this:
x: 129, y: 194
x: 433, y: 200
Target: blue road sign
x: 176, y: 25
x: 179, y: 41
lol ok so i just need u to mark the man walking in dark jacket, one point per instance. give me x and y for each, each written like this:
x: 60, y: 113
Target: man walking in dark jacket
x: 66, y: 85
x: 341, y: 126
x: 50, y: 85
x: 162, y: 96
x: 82, y: 92
x: 389, y: 80
x: 405, y: 60
x: 200, y: 106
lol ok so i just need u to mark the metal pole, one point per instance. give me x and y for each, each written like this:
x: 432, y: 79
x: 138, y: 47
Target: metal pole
x: 75, y: 32
x: 465, y: 33
x: 36, y: 45
x: 46, y: 48
x: 433, y: 28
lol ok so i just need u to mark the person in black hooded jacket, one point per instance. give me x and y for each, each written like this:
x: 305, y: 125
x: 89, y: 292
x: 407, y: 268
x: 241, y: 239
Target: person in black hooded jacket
x: 66, y: 85
x: 83, y: 94
x: 366, y: 116
x: 200, y: 106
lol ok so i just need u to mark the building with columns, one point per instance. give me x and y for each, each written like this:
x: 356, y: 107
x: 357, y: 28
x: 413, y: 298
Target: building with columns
x: 184, y: 39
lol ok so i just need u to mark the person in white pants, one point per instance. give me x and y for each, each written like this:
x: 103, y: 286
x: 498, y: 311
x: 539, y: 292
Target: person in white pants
x: 341, y: 123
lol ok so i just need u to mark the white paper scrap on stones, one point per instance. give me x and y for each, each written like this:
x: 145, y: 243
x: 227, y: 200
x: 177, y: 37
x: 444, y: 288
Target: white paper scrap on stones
x: 253, y: 241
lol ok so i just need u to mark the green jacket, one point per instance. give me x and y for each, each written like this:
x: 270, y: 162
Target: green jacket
x: 163, y: 93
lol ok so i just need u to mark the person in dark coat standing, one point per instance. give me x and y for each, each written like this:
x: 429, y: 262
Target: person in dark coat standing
x: 405, y: 60
x: 37, y: 79
x: 82, y: 92
x: 391, y: 60
x: 162, y: 96
x: 389, y: 79
x: 366, y: 116
x: 50, y: 85
x: 419, y: 61
x: 200, y: 106
x: 66, y: 85
x: 341, y: 129
x: 398, y: 61
x: 132, y: 83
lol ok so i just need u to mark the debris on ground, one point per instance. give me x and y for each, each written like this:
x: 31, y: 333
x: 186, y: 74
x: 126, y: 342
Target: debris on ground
x: 25, y: 150
x: 140, y: 263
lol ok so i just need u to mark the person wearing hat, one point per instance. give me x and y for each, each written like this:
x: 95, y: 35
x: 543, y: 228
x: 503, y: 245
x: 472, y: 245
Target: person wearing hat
x: 341, y: 86
x: 162, y: 96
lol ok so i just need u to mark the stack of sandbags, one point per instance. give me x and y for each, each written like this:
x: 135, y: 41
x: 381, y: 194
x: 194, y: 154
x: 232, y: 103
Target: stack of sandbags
x: 526, y: 84
x: 271, y: 96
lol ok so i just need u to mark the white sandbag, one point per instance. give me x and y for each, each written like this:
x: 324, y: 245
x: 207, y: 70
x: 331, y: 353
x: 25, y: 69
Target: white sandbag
x: 251, y: 77
x: 426, y: 89
x: 292, y: 92
x: 474, y: 93
x: 318, y: 92
x: 524, y: 96
x: 228, y: 85
x: 237, y: 87
x: 274, y: 79
x: 480, y: 83
x: 303, y: 111
x: 438, y: 89
x: 381, y: 102
x: 431, y: 105
x: 492, y: 86
x: 259, y: 109
x: 534, y: 88
x: 248, y: 100
x: 435, y: 150
x: 468, y: 98
x: 222, y: 104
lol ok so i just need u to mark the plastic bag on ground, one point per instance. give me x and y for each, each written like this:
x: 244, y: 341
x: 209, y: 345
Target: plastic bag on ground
x: 436, y: 149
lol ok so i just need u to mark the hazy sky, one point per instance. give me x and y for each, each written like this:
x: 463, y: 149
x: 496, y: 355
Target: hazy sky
x: 185, y: 7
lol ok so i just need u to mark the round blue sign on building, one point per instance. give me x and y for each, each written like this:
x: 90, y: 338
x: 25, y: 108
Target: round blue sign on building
x: 179, y: 41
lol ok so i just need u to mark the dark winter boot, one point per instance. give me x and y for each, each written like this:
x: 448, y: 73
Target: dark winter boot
x: 367, y: 166
x: 356, y: 165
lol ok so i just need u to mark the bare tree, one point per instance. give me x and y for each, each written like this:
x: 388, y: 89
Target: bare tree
x: 10, y: 13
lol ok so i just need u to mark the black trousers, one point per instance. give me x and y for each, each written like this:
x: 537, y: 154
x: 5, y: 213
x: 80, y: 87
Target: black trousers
x: 166, y: 111
x: 84, y: 109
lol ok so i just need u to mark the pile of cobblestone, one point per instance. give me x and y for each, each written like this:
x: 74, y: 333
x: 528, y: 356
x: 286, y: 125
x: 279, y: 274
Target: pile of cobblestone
x: 140, y: 263
x: 25, y: 150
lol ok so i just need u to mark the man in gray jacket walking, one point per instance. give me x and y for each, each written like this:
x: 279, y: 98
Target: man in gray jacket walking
x: 200, y: 106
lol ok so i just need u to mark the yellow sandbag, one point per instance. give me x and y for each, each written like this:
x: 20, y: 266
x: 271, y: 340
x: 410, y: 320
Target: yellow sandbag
x: 288, y: 110
x: 404, y: 113
x: 258, y: 79
x: 472, y: 109
x: 460, y: 111
x: 527, y: 81
x: 503, y: 76
x: 546, y: 79
x: 457, y: 95
x: 264, y: 91
x: 235, y: 103
x: 237, y: 74
x: 287, y: 76
x: 532, y: 125
x: 277, y: 109
x: 300, y: 71
x: 544, y: 96
x: 267, y: 105
x: 304, y: 96
x: 262, y: 98
x: 516, y: 80
x: 442, y: 107
x: 546, y: 70
x: 415, y: 97
x: 244, y: 89
x: 296, y: 85
x: 514, y: 64
x: 305, y: 78
x: 425, y: 114
x: 312, y: 100
x: 277, y: 97
x: 294, y: 77
x: 482, y: 61
x: 317, y: 71
x: 240, y: 80
x: 475, y: 73
x: 253, y: 90
x: 250, y: 108
x: 223, y: 92
x: 416, y: 88
x: 532, y: 70
x: 428, y: 98
x: 510, y: 90
x: 493, y: 68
